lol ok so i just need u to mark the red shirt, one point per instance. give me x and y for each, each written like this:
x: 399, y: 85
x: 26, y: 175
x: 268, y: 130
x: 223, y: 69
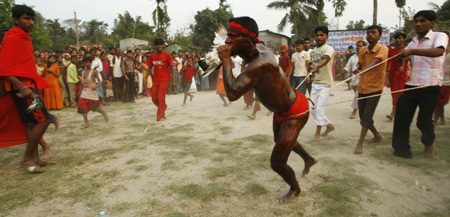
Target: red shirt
x: 285, y: 63
x: 161, y: 64
x: 394, y: 65
x: 188, y: 72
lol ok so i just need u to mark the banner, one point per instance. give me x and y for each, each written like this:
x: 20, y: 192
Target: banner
x: 340, y: 40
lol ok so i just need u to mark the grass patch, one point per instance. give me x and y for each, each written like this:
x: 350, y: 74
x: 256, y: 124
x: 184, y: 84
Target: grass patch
x: 141, y: 168
x: 431, y: 166
x: 255, y: 189
x: 170, y: 165
x: 117, y: 188
x: 341, y: 190
x: 202, y: 192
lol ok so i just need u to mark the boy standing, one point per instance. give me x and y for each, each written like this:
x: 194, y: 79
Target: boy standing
x: 188, y: 73
x: 299, y: 69
x: 72, y: 80
x: 88, y: 94
x: 18, y: 70
x: 161, y: 61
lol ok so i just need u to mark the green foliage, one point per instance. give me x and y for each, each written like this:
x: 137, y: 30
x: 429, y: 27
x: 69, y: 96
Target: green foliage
x: 6, y: 20
x: 354, y: 25
x: 161, y: 19
x: 123, y: 28
x: 443, y: 14
x: 206, y: 23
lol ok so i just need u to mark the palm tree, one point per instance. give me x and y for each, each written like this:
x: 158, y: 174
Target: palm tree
x: 299, y: 11
x: 94, y: 31
x: 400, y: 4
x: 339, y: 7
x: 161, y: 18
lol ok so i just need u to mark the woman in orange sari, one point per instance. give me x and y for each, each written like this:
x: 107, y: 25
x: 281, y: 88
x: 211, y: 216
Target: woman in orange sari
x: 52, y: 95
x: 220, y: 87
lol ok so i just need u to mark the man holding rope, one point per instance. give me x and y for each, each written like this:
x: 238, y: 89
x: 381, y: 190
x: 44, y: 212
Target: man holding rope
x: 321, y: 58
x: 271, y: 86
x: 426, y: 54
x: 371, y: 83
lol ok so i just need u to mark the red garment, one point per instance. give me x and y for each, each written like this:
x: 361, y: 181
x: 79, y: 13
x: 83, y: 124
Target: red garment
x: 161, y: 64
x: 188, y: 72
x: 86, y: 105
x: 159, y: 91
x: 106, y: 68
x: 285, y: 63
x: 12, y: 130
x: 296, y: 111
x: 16, y: 58
x: 397, y: 77
x: 443, y: 98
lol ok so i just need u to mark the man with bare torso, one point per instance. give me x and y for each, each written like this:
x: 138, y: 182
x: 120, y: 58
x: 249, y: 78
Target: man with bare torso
x: 271, y: 86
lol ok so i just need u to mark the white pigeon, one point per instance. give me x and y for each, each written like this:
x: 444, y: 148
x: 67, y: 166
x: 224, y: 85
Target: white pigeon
x: 212, y: 58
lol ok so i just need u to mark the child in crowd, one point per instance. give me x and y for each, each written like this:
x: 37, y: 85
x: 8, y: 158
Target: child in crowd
x: 88, y: 94
x: 41, y: 67
x: 188, y: 73
x: 109, y: 89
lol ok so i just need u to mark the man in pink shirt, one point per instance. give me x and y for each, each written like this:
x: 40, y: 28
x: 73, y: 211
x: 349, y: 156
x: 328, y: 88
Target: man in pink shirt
x: 426, y: 54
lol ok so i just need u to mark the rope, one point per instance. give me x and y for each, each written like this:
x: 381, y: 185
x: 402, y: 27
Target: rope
x: 303, y: 81
x: 366, y: 97
x: 333, y: 86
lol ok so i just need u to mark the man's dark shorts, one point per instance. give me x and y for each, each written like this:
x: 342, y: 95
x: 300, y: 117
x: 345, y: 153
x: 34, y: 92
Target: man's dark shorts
x: 367, y: 108
x: 34, y: 116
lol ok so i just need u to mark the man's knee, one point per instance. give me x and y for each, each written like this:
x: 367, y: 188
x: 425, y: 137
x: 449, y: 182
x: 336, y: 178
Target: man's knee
x: 276, y: 164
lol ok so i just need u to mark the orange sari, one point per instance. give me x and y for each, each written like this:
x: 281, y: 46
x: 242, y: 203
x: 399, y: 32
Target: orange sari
x: 52, y: 95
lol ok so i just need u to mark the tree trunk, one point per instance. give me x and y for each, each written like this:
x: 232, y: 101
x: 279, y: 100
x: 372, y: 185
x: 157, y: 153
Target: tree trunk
x: 375, y: 11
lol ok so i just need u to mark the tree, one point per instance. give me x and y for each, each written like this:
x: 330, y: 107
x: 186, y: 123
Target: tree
x: 6, y: 21
x: 56, y: 33
x: 93, y: 32
x: 443, y: 14
x: 161, y: 19
x: 356, y: 25
x: 299, y: 12
x: 400, y: 4
x: 206, y: 23
x: 123, y: 28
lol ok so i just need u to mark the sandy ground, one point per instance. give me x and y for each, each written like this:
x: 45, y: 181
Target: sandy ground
x: 396, y: 194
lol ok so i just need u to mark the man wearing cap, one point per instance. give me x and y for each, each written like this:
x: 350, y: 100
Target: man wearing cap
x: 272, y: 87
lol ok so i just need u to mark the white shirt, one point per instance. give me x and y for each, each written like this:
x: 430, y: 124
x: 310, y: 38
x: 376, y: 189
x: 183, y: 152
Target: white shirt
x: 117, y: 69
x: 277, y: 58
x: 299, y: 60
x: 237, y: 66
x: 323, y: 75
x: 97, y: 63
x: 350, y: 67
x: 179, y: 63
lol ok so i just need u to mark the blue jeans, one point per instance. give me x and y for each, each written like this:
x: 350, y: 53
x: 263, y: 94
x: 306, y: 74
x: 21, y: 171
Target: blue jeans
x: 295, y: 81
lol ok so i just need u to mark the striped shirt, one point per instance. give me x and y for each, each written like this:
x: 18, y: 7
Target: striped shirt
x: 427, y: 70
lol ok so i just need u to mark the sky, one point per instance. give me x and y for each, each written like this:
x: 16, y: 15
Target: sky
x: 182, y: 12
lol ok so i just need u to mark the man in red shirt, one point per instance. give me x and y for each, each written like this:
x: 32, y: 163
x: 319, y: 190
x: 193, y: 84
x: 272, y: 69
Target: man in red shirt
x: 161, y: 61
x: 397, y: 71
x: 22, y: 82
x: 285, y: 61
x: 188, y: 73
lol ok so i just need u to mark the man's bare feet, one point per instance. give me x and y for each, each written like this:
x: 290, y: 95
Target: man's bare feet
x: 183, y: 104
x: 290, y: 197
x: 47, y: 154
x: 106, y: 118
x: 225, y: 104
x: 358, y: 149
x: 247, y: 107
x: 317, y: 137
x: 328, y: 130
x: 353, y: 115
x: 375, y: 139
x: 57, y: 123
x: 308, y: 165
x: 191, y: 98
x: 429, y: 151
x: 252, y: 116
x: 389, y: 117
x: 31, y: 167
x: 45, y: 163
x: 85, y: 126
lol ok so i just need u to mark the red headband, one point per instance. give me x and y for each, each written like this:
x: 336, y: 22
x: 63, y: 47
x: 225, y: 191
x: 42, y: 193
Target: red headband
x: 244, y: 30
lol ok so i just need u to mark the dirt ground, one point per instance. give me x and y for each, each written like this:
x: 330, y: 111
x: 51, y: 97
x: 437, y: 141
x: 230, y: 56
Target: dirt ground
x: 211, y: 160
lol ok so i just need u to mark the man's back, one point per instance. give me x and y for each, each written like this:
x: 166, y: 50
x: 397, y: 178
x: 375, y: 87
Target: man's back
x: 272, y: 86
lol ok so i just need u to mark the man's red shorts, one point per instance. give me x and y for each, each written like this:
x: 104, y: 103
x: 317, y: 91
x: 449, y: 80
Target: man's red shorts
x: 297, y: 110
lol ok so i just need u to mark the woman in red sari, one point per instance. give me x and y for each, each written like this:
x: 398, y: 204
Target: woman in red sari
x: 52, y: 95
